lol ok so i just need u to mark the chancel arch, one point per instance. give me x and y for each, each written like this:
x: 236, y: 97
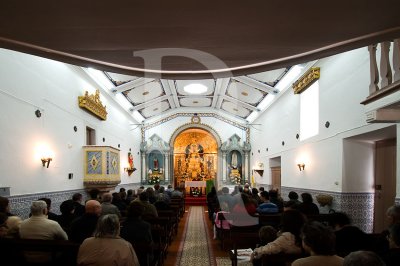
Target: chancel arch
x: 195, y: 155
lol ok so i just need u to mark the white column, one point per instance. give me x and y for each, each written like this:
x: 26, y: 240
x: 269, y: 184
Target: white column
x: 246, y: 167
x: 144, y: 168
x: 166, y: 168
x: 223, y: 166
x: 396, y: 60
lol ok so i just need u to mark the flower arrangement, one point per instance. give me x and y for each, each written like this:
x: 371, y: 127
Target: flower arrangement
x: 236, y: 180
x: 154, y: 179
x: 196, y: 191
x: 324, y: 199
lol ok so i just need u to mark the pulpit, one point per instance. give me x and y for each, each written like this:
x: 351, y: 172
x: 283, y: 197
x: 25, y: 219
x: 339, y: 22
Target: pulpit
x: 101, y: 167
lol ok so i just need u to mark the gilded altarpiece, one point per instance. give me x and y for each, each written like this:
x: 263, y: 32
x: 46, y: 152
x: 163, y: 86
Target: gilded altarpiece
x: 195, y: 156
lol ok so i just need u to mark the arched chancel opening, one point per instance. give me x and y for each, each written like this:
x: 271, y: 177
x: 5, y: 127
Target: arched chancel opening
x: 195, y: 158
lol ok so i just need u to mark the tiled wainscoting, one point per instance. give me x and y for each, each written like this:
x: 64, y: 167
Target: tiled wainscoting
x: 20, y: 205
x: 359, y: 206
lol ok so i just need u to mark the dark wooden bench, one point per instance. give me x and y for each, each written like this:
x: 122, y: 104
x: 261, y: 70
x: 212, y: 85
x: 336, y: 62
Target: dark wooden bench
x: 61, y: 252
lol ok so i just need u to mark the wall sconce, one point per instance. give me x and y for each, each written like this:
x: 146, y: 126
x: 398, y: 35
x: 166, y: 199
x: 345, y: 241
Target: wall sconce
x: 46, y: 160
x: 301, y: 166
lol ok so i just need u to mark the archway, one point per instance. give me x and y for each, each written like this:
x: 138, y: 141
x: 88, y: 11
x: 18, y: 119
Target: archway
x: 195, y: 158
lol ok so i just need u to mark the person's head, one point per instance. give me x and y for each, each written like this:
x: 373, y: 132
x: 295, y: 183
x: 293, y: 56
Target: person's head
x: 156, y: 186
x: 48, y: 202
x: 254, y: 191
x: 293, y: 195
x: 93, y: 207
x: 169, y: 186
x: 107, y: 226
x: 339, y: 219
x: 106, y: 197
x: 261, y: 189
x: 267, y: 234
x: 273, y: 194
x: 116, y: 197
x: 67, y: 207
x: 225, y: 190
x: 129, y: 192
x: 264, y: 195
x: 38, y: 208
x: 394, y: 235
x: 135, y: 209
x: 318, y: 239
x: 144, y: 196
x: 306, y: 197
x: 364, y: 258
x: 77, y: 197
x: 122, y: 189
x: 161, y: 189
x: 4, y: 205
x: 393, y: 214
x: 213, y: 190
x: 292, y: 221
x: 13, y: 224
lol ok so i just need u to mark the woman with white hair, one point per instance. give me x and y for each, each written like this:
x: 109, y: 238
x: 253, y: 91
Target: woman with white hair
x: 106, y: 247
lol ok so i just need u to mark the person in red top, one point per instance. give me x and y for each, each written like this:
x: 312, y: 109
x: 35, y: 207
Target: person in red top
x: 243, y: 212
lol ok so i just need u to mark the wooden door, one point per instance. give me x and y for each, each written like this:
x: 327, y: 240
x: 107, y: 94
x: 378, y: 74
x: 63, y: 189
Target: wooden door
x: 276, y: 178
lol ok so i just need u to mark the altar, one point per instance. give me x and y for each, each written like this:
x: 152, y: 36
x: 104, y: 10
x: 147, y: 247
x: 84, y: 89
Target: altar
x: 195, y: 187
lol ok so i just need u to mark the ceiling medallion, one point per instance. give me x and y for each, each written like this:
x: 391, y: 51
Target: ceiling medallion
x: 155, y: 109
x: 245, y: 93
x: 235, y: 109
x: 145, y: 93
x: 195, y: 119
x: 195, y: 102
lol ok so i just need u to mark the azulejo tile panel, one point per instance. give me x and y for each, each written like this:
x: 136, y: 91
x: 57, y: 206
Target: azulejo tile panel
x: 359, y: 206
x: 20, y: 205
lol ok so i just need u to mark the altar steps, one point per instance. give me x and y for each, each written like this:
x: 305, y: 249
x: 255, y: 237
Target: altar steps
x: 196, y: 201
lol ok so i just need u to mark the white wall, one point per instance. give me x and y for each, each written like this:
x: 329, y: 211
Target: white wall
x: 28, y: 83
x: 343, y: 85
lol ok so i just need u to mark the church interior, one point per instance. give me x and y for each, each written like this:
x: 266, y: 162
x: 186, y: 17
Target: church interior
x: 291, y: 101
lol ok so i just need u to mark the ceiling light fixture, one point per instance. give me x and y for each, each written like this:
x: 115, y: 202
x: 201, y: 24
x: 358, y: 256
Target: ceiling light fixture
x: 195, y: 88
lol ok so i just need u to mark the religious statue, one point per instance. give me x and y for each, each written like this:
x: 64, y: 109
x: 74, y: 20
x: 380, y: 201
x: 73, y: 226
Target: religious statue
x: 130, y: 160
x: 234, y: 160
x: 155, y: 163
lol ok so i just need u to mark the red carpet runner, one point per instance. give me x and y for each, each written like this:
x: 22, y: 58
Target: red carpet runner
x: 196, y: 201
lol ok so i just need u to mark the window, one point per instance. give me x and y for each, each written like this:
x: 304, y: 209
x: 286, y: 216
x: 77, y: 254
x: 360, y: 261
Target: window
x: 90, y: 136
x: 309, y: 112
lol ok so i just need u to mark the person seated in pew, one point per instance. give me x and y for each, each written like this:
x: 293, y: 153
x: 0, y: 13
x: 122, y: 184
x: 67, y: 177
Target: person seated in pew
x: 308, y: 207
x: 267, y: 234
x: 288, y: 240
x: 276, y: 199
x: 266, y: 206
x: 392, y: 256
x: 150, y: 210
x: 364, y: 258
x: 138, y: 232
x: 106, y: 247
x: 349, y: 238
x: 84, y: 226
x: 243, y: 212
x: 293, y: 200
x: 5, y: 206
x: 319, y: 241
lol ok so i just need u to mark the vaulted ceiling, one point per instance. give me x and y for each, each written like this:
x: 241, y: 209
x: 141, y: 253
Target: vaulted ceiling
x: 151, y: 49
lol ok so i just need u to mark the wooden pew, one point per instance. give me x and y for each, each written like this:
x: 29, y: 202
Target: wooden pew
x: 62, y: 252
x: 242, y: 237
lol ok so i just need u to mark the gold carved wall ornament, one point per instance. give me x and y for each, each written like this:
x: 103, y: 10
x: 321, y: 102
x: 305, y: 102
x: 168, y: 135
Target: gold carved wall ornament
x: 306, y: 80
x: 93, y: 104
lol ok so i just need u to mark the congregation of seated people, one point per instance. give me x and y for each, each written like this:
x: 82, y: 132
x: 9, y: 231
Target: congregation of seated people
x: 117, y: 219
x: 324, y: 242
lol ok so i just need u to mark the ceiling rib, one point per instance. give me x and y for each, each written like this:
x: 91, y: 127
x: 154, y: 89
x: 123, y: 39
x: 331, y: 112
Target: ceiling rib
x: 223, y: 88
x: 173, y: 88
x: 218, y: 87
x: 256, y: 84
x: 168, y: 92
x: 149, y: 103
x: 245, y: 105
x: 132, y: 84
